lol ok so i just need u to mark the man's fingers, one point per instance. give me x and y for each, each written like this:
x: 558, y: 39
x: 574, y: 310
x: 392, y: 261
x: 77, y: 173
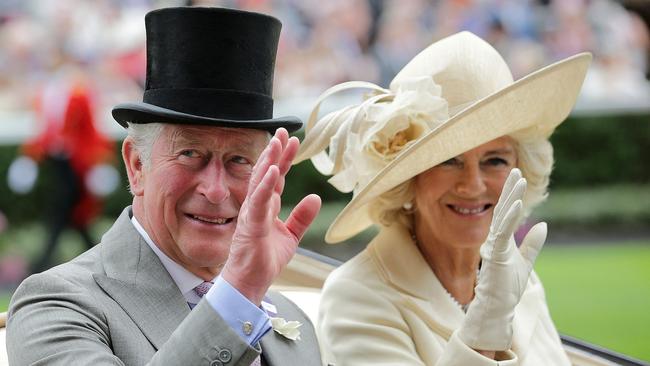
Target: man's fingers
x: 290, y: 151
x: 260, y: 199
x: 279, y: 186
x: 303, y: 215
x: 282, y: 135
x: 266, y: 159
x: 285, y: 162
x: 533, y: 242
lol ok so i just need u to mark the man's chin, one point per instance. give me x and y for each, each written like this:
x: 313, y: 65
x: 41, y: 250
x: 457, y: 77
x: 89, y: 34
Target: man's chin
x: 207, y: 252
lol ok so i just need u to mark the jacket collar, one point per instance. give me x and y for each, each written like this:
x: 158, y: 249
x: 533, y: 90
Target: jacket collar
x: 276, y: 347
x: 136, y: 279
x: 402, y: 266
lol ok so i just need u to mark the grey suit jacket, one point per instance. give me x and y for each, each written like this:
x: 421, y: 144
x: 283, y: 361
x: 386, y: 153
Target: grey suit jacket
x: 117, y: 305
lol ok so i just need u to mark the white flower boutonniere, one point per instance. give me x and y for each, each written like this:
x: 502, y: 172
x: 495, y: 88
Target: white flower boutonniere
x: 288, y: 329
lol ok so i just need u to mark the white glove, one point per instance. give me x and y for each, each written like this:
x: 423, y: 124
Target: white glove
x: 504, y: 272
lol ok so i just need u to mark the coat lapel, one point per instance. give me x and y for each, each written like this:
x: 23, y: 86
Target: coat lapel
x: 136, y: 279
x: 401, y: 265
x: 279, y: 350
x: 272, y: 344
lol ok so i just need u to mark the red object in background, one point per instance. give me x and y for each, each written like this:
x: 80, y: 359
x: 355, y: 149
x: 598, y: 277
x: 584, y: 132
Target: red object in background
x: 72, y: 134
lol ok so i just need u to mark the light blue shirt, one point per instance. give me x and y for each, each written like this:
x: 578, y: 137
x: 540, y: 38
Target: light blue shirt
x: 235, y: 309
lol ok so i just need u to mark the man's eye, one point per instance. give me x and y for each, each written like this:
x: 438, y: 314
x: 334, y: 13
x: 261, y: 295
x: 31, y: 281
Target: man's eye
x: 190, y: 153
x: 239, y: 160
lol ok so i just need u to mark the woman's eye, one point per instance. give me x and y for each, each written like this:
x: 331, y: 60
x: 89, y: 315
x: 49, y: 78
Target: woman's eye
x: 496, y: 162
x: 450, y: 162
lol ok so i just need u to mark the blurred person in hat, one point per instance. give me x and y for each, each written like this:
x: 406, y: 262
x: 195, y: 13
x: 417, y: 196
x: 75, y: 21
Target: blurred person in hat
x: 181, y: 278
x: 447, y: 161
x: 78, y: 156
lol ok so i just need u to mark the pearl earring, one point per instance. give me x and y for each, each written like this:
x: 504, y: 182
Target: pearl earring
x: 407, y: 206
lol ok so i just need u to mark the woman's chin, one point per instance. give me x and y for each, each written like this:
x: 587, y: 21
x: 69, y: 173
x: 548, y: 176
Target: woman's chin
x: 472, y: 241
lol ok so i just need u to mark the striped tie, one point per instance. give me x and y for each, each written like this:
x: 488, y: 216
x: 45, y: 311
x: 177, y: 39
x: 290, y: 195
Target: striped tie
x: 200, y: 291
x: 203, y: 288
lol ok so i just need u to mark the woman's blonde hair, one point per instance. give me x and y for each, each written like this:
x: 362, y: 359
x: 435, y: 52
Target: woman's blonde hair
x: 534, y: 159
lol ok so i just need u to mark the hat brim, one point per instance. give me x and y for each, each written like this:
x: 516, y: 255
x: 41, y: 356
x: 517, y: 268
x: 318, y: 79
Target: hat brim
x: 536, y: 103
x: 140, y: 112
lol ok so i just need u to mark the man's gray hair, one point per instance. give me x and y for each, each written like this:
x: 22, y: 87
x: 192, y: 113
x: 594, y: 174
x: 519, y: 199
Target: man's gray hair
x: 144, y: 135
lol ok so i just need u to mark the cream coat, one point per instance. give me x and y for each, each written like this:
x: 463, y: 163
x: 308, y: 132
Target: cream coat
x: 386, y: 307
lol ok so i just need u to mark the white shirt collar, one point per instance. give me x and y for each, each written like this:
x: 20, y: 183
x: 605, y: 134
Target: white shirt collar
x: 185, y: 280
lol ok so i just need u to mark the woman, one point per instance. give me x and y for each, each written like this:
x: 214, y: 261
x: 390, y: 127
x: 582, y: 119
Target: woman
x: 443, y: 282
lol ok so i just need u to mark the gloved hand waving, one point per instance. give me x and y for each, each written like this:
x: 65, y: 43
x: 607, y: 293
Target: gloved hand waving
x: 504, y: 272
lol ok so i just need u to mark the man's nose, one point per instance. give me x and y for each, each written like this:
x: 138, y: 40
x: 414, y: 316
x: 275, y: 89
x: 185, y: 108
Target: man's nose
x: 471, y: 182
x: 213, y: 184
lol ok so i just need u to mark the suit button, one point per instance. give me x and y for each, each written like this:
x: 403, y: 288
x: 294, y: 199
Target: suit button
x: 225, y: 355
x: 216, y: 363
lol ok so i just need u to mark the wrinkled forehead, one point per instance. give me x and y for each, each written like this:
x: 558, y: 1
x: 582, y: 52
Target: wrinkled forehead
x: 215, y: 138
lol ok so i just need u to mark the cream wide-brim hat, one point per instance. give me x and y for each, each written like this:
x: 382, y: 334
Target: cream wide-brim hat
x: 476, y: 83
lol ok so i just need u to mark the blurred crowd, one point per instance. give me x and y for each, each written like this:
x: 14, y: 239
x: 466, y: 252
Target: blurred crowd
x: 323, y: 42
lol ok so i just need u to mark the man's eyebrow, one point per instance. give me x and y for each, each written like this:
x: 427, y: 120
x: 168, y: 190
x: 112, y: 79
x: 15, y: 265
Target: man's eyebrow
x: 184, y: 138
x: 239, y: 142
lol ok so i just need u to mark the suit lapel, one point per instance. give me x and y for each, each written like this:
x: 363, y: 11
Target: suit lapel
x: 402, y: 266
x: 278, y: 350
x: 272, y: 345
x: 136, y: 279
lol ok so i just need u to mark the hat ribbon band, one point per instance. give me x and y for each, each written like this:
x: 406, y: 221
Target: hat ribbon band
x: 212, y: 103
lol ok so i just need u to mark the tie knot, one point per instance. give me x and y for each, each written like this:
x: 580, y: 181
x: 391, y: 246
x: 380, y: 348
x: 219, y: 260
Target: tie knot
x: 203, y: 288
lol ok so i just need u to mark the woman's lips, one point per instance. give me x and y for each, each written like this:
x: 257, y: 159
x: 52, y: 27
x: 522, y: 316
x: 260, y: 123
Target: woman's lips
x: 470, y: 210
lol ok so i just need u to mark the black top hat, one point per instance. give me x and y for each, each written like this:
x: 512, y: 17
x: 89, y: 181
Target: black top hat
x: 209, y: 66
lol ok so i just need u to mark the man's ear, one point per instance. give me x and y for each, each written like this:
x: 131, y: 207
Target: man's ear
x: 134, y: 167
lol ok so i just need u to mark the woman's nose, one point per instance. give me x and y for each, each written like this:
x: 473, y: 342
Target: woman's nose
x: 471, y: 182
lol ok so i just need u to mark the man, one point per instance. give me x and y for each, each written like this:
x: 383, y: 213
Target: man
x: 206, y: 183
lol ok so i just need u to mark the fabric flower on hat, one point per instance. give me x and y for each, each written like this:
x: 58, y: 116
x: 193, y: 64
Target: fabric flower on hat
x: 362, y: 139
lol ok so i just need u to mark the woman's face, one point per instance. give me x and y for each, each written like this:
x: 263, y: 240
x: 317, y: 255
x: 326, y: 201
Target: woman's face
x: 454, y: 200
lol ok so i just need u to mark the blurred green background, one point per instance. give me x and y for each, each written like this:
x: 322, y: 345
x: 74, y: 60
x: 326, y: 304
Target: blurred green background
x: 600, y: 292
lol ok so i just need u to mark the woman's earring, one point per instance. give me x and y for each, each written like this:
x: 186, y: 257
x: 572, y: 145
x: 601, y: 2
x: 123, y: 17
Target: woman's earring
x: 407, y: 206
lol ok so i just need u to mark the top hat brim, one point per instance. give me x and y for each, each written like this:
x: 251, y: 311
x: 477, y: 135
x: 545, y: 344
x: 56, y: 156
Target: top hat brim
x: 140, y: 112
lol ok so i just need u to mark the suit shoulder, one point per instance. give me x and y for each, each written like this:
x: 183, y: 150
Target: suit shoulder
x: 70, y: 278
